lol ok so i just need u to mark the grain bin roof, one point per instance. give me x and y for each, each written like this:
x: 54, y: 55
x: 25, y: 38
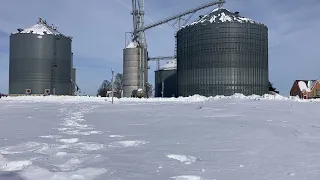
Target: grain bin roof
x: 40, y: 28
x: 171, y: 65
x: 221, y: 15
x: 132, y: 44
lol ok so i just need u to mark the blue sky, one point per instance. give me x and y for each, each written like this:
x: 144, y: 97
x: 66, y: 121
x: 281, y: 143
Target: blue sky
x: 98, y: 30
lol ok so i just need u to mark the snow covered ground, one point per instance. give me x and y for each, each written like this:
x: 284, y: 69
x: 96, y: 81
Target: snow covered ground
x: 221, y: 138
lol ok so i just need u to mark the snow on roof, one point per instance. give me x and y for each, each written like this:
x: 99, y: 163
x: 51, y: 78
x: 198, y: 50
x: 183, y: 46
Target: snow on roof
x: 220, y: 15
x: 132, y: 44
x: 304, y: 86
x: 40, y: 28
x: 171, y: 65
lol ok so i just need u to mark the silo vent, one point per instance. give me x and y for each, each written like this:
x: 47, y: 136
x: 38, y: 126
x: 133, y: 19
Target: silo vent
x: 20, y: 30
x: 40, y: 21
x: 53, y: 27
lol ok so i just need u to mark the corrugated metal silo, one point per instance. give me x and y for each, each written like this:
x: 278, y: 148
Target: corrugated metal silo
x: 74, y: 81
x: 221, y: 54
x: 40, y: 60
x: 132, y: 69
x: 166, y: 80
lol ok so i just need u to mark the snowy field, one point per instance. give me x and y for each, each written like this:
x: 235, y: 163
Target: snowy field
x: 195, y: 138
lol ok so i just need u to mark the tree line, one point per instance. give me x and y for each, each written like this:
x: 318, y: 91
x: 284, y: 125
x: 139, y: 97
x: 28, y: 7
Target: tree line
x: 107, y: 85
x: 118, y: 87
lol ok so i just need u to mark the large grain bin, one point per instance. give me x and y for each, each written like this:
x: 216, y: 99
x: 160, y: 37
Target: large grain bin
x: 221, y: 54
x: 40, y: 61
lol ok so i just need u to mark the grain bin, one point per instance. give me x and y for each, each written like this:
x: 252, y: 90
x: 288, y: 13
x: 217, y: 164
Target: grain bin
x: 221, y: 54
x: 166, y: 80
x: 40, y: 61
x: 135, y: 72
x: 74, y: 81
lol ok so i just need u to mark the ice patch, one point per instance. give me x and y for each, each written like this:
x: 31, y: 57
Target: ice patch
x: 69, y: 141
x: 22, y: 148
x: 78, y: 132
x: 69, y: 165
x: 223, y: 116
x: 43, y: 149
x: 124, y: 144
x: 90, y: 146
x: 14, y: 165
x: 63, y: 129
x: 291, y: 174
x: 71, y: 123
x: 184, y: 177
x: 33, y: 172
x: 61, y: 154
x: 51, y: 137
x: 116, y: 136
x: 138, y: 124
x: 73, y: 120
x: 95, y: 132
x: 50, y: 149
x: 71, y: 162
x: 183, y: 158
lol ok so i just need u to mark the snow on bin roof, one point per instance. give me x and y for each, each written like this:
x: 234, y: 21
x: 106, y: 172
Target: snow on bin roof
x: 171, y: 65
x: 132, y: 44
x: 40, y: 28
x: 221, y: 15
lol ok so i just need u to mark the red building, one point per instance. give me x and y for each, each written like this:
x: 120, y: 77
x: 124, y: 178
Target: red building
x: 306, y: 89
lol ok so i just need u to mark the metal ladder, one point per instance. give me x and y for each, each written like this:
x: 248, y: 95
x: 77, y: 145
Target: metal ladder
x: 53, y: 67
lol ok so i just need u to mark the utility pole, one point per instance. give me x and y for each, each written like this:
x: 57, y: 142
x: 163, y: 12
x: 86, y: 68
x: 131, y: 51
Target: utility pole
x: 112, y: 82
x: 162, y: 89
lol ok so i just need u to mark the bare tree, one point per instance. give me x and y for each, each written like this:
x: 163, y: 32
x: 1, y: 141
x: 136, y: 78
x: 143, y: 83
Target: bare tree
x: 118, y: 86
x: 149, y: 89
x: 104, y: 88
x: 107, y: 85
x: 118, y: 82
